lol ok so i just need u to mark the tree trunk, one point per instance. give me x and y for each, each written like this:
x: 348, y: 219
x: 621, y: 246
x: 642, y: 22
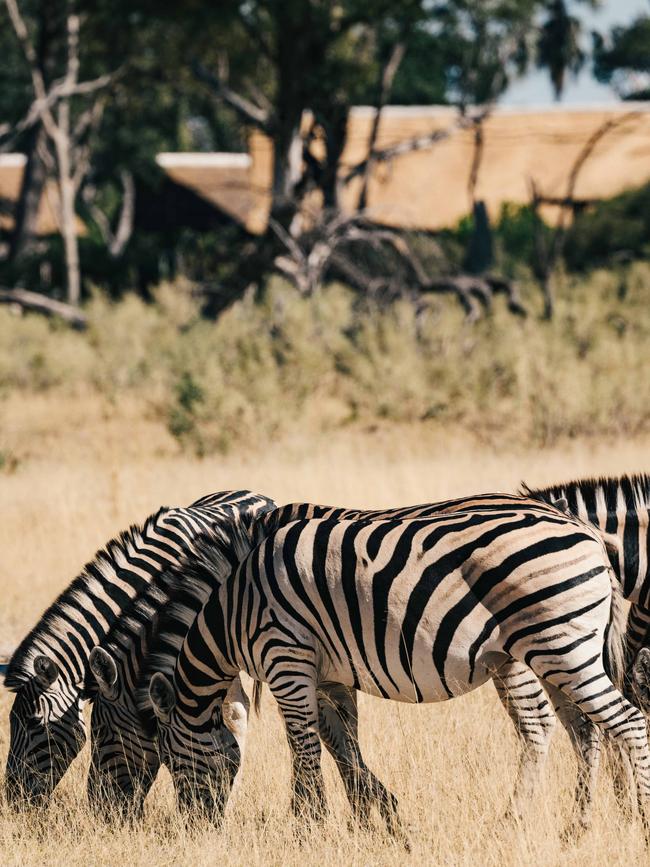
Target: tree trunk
x: 67, y: 209
x: 29, y: 198
x: 547, y: 294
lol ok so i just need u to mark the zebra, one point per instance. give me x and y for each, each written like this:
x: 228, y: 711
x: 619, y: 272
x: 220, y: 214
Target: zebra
x: 49, y: 669
x: 124, y: 753
x: 620, y: 508
x: 418, y: 610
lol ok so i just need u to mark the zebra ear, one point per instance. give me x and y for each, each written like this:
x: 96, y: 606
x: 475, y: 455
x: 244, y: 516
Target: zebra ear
x: 162, y: 695
x: 641, y: 670
x: 561, y: 504
x: 46, y: 670
x: 104, y: 669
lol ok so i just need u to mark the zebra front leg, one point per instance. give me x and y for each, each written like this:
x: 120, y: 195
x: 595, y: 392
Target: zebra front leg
x: 339, y: 731
x: 298, y: 703
x: 526, y: 704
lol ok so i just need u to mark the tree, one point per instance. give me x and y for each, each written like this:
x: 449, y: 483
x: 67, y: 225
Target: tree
x: 68, y: 132
x: 319, y: 59
x: 623, y: 59
x: 558, y: 44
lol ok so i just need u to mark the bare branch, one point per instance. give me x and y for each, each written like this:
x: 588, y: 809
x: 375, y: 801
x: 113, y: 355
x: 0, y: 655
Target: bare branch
x: 58, y: 90
x: 125, y: 223
x: 406, y: 146
x: 247, y: 110
x: 115, y: 242
x: 42, y: 304
x: 385, y: 86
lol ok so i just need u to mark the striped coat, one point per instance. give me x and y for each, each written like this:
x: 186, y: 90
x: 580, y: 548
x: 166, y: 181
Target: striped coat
x: 414, y: 610
x: 49, y: 670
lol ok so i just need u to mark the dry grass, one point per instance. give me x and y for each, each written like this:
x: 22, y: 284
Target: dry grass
x: 87, y: 471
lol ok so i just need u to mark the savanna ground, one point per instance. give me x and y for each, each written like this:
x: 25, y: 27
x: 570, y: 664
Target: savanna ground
x: 95, y: 436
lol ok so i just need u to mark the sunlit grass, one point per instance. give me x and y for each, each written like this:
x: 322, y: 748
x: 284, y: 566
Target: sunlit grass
x: 89, y: 470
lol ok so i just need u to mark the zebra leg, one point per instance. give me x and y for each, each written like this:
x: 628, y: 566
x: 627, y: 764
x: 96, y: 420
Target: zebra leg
x: 339, y: 731
x: 526, y: 704
x: 586, y: 740
x: 608, y: 709
x: 297, y: 699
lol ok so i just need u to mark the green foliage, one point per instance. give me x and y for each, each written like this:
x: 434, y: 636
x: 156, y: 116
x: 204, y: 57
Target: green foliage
x: 626, y: 52
x: 616, y: 229
x: 286, y: 363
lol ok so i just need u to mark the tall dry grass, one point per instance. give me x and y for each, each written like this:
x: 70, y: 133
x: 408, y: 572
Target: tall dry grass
x: 87, y: 470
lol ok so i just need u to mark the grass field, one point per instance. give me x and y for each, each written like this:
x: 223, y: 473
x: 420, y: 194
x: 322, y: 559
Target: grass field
x: 86, y: 471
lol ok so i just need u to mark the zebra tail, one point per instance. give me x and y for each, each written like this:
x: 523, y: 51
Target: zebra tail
x: 257, y: 696
x: 615, y: 649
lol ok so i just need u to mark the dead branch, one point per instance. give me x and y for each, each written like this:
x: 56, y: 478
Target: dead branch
x: 330, y: 245
x: 59, y: 90
x: 386, y: 79
x: 115, y: 241
x: 407, y: 146
x: 245, y: 108
x: 547, y: 254
x: 42, y: 304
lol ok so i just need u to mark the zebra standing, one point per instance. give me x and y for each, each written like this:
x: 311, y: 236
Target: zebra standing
x: 125, y: 754
x: 49, y: 670
x: 619, y: 507
x: 413, y: 610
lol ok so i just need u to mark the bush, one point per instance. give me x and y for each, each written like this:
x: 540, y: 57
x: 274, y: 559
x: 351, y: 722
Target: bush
x: 616, y: 228
x: 286, y: 362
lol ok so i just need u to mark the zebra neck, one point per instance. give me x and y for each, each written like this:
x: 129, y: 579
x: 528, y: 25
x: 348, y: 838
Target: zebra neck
x: 618, y: 507
x: 205, y: 660
x: 83, y: 614
x: 629, y: 524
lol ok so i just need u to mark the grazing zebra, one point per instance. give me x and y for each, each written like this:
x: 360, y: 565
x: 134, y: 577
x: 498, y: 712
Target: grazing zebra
x: 412, y: 610
x: 49, y: 670
x: 124, y: 749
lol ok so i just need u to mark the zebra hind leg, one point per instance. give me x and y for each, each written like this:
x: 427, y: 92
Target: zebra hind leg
x: 607, y: 708
x: 339, y: 731
x: 586, y: 740
x: 526, y: 704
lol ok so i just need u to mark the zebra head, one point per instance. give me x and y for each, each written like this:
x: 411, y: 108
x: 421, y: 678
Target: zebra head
x: 203, y: 761
x: 46, y: 733
x: 124, y: 754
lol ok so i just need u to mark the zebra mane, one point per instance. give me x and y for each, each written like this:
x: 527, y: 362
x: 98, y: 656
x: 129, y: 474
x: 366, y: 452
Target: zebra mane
x: 94, y: 586
x: 188, y: 585
x: 635, y: 490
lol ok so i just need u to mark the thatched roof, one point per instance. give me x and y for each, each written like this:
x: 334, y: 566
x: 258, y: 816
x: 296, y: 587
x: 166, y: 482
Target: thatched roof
x: 428, y: 188
x: 11, y: 172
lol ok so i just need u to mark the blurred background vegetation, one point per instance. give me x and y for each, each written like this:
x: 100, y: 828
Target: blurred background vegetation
x: 505, y: 325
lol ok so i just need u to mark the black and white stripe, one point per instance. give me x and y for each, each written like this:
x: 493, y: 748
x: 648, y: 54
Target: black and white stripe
x: 124, y: 751
x: 412, y: 610
x: 49, y: 670
x: 123, y: 735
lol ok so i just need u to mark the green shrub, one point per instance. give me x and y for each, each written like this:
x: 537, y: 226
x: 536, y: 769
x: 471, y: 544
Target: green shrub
x: 286, y: 362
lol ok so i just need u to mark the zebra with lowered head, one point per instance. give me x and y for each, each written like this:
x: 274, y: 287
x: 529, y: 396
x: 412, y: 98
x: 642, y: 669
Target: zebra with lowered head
x: 49, y: 670
x: 124, y: 753
x: 417, y: 610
